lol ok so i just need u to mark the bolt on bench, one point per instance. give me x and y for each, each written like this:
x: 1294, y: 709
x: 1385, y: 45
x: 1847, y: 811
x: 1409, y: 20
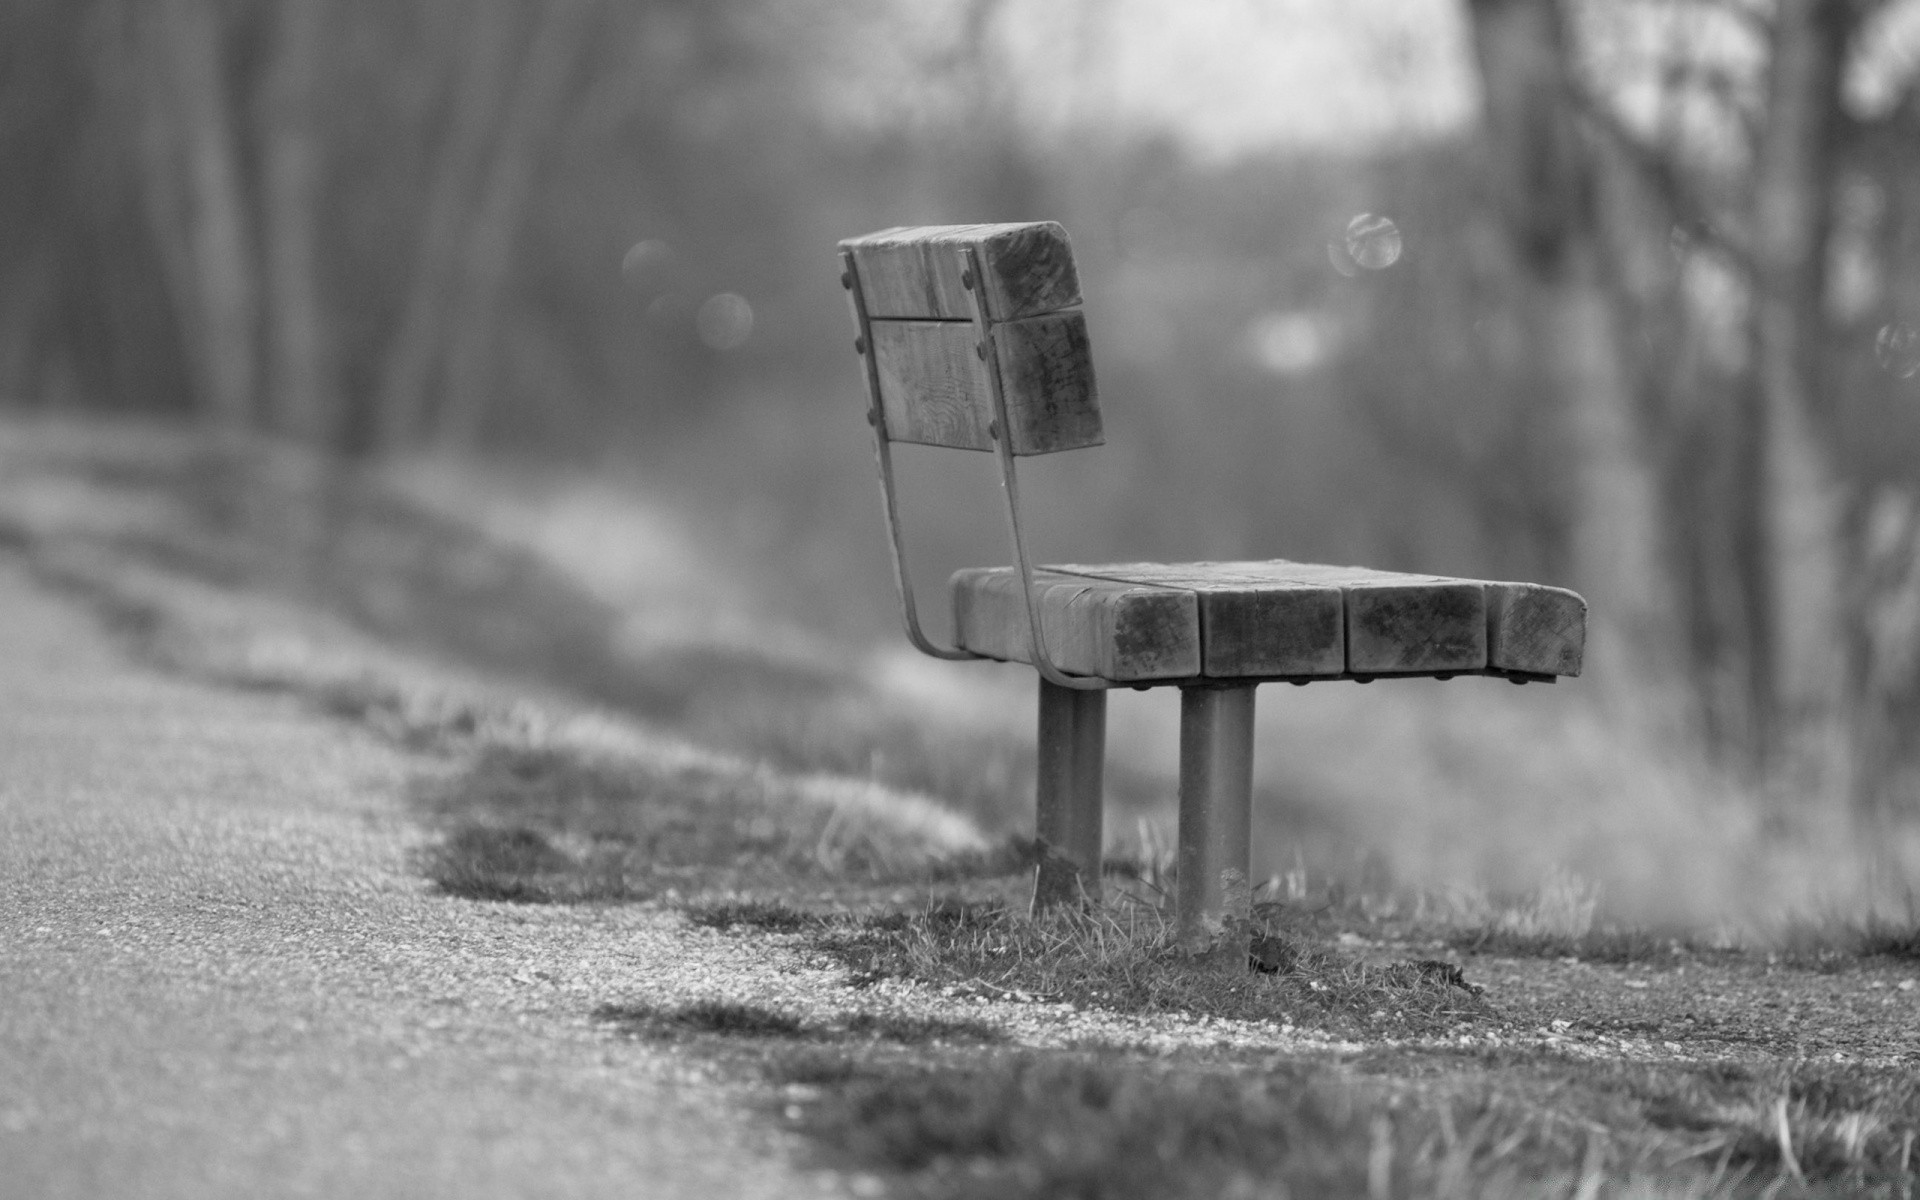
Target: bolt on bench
x: 973, y: 341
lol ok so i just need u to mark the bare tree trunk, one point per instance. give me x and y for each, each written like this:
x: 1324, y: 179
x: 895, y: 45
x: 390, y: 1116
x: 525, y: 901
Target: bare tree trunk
x: 305, y: 399
x: 1804, y: 613
x: 1544, y: 178
x: 400, y: 399
x: 197, y: 199
x: 472, y: 359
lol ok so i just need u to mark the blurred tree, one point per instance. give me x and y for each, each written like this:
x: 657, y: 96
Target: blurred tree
x: 534, y: 110
x: 1543, y: 176
x: 1742, y: 159
x: 1803, y: 662
x: 511, y: 86
x: 300, y: 377
x: 183, y: 120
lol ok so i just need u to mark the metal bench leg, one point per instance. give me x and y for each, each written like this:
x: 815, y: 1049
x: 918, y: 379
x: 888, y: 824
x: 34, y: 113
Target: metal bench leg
x: 1073, y: 744
x: 1216, y: 820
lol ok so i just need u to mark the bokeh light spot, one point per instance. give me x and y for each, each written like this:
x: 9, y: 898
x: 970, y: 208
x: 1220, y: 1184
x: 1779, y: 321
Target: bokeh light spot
x: 1897, y: 349
x: 1288, y: 343
x: 724, y: 321
x: 1373, y: 242
x: 1341, y: 260
x: 644, y: 266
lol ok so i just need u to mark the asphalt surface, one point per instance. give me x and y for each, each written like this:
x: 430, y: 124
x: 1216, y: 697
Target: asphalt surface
x: 218, y: 976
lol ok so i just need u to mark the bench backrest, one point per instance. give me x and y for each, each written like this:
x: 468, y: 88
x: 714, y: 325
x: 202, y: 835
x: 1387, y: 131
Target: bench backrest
x: 923, y: 315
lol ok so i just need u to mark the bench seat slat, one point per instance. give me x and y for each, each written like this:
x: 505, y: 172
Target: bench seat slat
x: 1394, y: 623
x: 1251, y: 623
x: 1119, y: 631
x: 1279, y: 618
x: 1533, y: 628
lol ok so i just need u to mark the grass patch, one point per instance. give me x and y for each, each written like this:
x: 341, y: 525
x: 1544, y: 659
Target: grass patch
x: 696, y: 824
x: 1879, y: 936
x: 485, y: 862
x: 1121, y: 1127
x: 1844, y: 1130
x: 1613, y: 946
x: 1009, y: 856
x: 914, y: 1030
x: 1834, y: 942
x: 703, y: 1016
x: 1126, y: 960
x: 1118, y: 1128
x: 733, y: 1019
x: 773, y: 916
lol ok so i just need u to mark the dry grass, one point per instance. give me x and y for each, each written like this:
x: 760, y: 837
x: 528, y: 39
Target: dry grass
x: 1118, y: 1127
x: 1895, y: 940
x: 736, y: 1020
x: 772, y: 916
x: 644, y: 825
x: 1125, y: 959
x: 484, y: 862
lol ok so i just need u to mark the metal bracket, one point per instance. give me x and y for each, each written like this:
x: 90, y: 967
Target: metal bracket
x: 1001, y: 431
x: 883, y: 454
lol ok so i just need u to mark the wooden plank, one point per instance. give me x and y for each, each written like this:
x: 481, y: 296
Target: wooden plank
x: 1251, y: 623
x: 1046, y: 373
x: 914, y: 272
x: 1117, y: 631
x: 934, y: 389
x: 1414, y: 628
x: 1530, y: 627
x: 1533, y: 628
x: 1393, y: 623
x: 1400, y: 623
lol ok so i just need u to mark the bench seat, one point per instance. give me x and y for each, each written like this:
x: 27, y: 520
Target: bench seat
x: 1150, y: 624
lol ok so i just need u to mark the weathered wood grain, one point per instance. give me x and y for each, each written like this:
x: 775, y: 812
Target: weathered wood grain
x: 1399, y: 623
x: 1251, y: 623
x: 934, y: 388
x: 1123, y: 632
x: 914, y: 272
x: 1392, y: 623
x: 1046, y: 373
x: 1533, y: 628
x: 1416, y: 628
x: 1530, y: 627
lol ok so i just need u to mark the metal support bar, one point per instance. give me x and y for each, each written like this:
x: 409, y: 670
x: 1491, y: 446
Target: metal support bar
x: 1073, y: 743
x: 1000, y: 429
x: 1216, y: 820
x: 883, y: 455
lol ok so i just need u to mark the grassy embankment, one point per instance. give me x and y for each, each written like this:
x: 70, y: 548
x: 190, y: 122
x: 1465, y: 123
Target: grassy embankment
x: 1459, y: 1047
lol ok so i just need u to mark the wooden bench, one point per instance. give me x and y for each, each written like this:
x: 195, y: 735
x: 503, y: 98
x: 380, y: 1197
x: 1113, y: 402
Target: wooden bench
x: 973, y: 340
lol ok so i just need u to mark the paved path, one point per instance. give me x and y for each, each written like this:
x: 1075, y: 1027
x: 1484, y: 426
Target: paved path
x: 218, y: 977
